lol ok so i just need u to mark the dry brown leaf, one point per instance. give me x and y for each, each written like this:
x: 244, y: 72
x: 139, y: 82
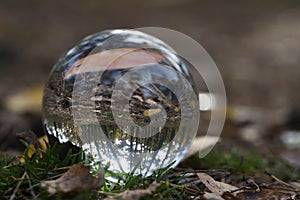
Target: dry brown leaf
x: 268, y: 193
x: 36, y: 144
x: 212, y: 196
x: 28, y: 100
x: 30, y: 137
x: 135, y: 194
x: 230, y: 196
x: 215, y: 187
x: 43, y: 142
x: 76, y: 179
x: 199, y: 144
x: 225, y: 196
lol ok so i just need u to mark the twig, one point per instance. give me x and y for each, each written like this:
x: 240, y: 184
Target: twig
x: 58, y: 175
x: 61, y: 168
x: 189, y: 190
x: 17, y: 187
x: 251, y: 181
x: 108, y: 193
x: 281, y: 181
x: 30, y: 185
x: 239, y: 189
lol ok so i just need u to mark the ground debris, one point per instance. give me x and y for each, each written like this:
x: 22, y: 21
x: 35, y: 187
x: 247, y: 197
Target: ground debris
x: 135, y: 194
x: 217, y: 188
x: 27, y: 100
x: 35, y: 144
x: 75, y: 180
x: 30, y: 137
x: 268, y: 193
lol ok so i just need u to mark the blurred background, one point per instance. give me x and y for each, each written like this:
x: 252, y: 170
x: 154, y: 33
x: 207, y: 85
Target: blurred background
x: 255, y: 44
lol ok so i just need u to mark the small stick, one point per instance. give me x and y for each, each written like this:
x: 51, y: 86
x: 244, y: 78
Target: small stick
x: 30, y: 185
x: 18, y: 186
x: 280, y: 181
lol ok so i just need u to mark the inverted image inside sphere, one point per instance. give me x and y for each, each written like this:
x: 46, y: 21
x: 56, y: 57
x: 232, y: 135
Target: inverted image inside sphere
x: 142, y: 133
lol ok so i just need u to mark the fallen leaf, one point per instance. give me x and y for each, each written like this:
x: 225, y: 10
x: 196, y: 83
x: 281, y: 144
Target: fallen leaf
x: 199, y: 144
x: 30, y: 153
x: 212, y: 196
x: 75, y: 180
x: 43, y: 142
x: 30, y: 137
x: 215, y: 187
x: 230, y: 196
x: 35, y: 144
x: 266, y: 193
x: 135, y: 194
x: 28, y: 100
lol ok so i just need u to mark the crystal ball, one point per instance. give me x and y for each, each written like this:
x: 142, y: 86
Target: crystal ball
x: 125, y: 97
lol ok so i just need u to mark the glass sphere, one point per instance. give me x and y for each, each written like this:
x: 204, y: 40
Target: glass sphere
x: 126, y: 98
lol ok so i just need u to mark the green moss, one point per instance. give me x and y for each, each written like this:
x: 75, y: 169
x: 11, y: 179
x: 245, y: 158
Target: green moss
x: 250, y: 162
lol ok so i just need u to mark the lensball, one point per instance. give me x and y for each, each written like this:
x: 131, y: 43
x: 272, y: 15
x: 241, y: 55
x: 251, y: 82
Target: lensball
x: 126, y: 98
